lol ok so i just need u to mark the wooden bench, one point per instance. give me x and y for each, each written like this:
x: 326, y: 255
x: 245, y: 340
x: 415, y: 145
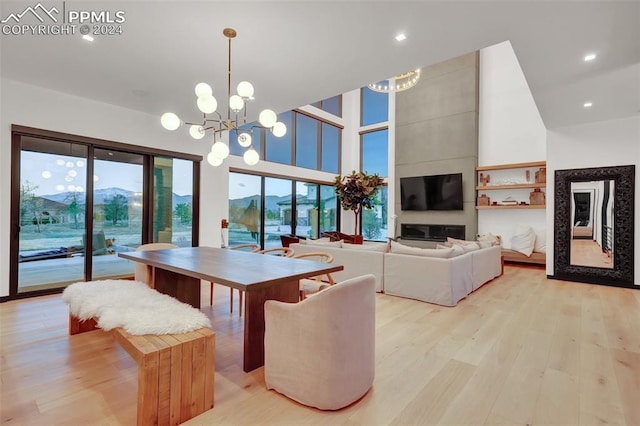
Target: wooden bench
x: 175, y: 372
x: 514, y: 256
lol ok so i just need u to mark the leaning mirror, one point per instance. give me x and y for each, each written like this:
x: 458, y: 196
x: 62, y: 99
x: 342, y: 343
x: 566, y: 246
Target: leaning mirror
x: 594, y: 225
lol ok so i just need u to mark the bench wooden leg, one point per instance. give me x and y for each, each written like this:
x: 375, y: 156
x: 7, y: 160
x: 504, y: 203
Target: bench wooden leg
x: 175, y: 375
x: 76, y: 326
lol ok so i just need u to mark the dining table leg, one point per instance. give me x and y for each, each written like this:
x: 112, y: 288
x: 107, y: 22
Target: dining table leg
x: 185, y: 289
x: 286, y: 291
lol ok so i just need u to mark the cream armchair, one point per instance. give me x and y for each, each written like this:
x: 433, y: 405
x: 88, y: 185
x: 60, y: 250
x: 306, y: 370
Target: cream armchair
x: 321, y: 351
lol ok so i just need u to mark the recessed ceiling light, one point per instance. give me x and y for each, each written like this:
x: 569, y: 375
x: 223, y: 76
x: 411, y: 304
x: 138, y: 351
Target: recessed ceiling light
x: 590, y: 57
x: 401, y: 37
x: 588, y: 104
x: 87, y: 37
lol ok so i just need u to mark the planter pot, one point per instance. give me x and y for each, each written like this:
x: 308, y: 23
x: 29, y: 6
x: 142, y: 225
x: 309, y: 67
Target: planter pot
x: 224, y: 237
x: 356, y: 239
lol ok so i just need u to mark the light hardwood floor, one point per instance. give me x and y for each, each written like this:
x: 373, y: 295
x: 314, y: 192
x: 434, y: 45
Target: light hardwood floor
x: 521, y: 350
x: 589, y: 253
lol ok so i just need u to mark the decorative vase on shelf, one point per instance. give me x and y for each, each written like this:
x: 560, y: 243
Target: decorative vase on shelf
x: 537, y: 197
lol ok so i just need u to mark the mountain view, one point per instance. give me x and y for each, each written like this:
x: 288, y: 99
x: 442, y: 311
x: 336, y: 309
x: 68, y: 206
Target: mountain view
x: 100, y: 195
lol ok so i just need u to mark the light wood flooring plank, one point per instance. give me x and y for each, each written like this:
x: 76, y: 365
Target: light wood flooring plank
x: 520, y: 350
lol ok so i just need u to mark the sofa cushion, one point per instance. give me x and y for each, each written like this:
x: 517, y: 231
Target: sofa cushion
x: 457, y: 249
x: 468, y: 247
x: 378, y: 247
x: 416, y: 251
x: 322, y: 243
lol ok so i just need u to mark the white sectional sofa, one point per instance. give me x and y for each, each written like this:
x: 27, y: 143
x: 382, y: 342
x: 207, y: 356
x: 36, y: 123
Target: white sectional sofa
x: 356, y: 259
x: 443, y: 281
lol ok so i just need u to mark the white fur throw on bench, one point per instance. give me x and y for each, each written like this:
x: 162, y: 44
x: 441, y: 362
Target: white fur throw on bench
x: 133, y: 306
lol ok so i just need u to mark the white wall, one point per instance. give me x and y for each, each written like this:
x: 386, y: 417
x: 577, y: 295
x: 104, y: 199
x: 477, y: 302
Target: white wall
x: 601, y: 144
x: 33, y: 106
x: 510, y: 130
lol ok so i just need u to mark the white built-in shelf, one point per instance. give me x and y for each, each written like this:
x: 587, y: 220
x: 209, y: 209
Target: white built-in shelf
x: 512, y: 166
x: 517, y: 186
x: 513, y: 186
x: 516, y: 206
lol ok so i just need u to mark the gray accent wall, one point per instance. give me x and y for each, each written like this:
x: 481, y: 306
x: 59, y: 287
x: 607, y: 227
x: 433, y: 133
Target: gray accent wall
x: 437, y: 133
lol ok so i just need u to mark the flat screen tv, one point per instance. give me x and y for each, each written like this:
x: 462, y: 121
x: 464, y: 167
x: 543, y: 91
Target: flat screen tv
x: 436, y: 192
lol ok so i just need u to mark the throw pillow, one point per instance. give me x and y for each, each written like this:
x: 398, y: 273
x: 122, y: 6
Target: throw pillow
x: 524, y: 242
x: 495, y: 240
x: 485, y: 244
x: 541, y: 240
x: 457, y: 250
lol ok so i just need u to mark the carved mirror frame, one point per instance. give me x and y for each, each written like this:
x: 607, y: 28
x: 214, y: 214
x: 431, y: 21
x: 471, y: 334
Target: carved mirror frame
x: 621, y: 274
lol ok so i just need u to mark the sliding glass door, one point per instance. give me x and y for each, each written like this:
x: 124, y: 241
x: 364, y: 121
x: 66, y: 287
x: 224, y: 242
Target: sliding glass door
x: 173, y: 208
x: 117, y: 211
x: 277, y: 215
x: 77, y: 202
x: 52, y: 216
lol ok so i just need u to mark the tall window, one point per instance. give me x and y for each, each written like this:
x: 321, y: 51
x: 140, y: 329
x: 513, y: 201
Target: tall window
x: 374, y: 148
x: 331, y: 105
x: 278, y: 216
x: 245, y: 205
x: 173, y: 201
x: 313, y: 210
x: 309, y: 142
x: 306, y: 142
x: 279, y: 150
x: 330, y: 148
x: 374, y: 145
x: 374, y: 222
x: 374, y: 107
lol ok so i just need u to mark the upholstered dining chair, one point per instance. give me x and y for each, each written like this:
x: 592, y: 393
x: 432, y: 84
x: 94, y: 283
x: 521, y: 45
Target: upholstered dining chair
x: 253, y: 248
x: 313, y: 285
x: 332, y: 363
x: 144, y: 273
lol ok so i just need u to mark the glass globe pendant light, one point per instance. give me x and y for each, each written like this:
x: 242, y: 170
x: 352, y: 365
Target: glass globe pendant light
x: 235, y: 116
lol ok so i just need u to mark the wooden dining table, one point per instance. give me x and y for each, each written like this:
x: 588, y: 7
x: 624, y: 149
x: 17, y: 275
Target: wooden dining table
x: 177, y: 272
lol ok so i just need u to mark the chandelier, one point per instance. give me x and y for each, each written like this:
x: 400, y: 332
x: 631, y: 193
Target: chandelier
x: 398, y: 83
x: 233, y: 121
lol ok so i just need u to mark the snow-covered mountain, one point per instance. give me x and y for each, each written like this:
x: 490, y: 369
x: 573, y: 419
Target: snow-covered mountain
x: 100, y: 195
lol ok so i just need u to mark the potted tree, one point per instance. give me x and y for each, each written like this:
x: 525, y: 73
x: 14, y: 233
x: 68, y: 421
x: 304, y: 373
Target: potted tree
x: 355, y: 192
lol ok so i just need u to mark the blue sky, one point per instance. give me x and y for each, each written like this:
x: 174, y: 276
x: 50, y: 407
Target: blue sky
x: 58, y: 173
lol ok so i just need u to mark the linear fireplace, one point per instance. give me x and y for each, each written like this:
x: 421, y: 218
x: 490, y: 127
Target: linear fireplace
x: 416, y: 231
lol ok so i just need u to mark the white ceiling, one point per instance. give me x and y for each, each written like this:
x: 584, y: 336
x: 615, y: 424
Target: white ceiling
x: 299, y: 52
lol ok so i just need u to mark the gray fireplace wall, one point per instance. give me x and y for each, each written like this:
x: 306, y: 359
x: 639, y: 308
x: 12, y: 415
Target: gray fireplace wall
x: 437, y: 133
